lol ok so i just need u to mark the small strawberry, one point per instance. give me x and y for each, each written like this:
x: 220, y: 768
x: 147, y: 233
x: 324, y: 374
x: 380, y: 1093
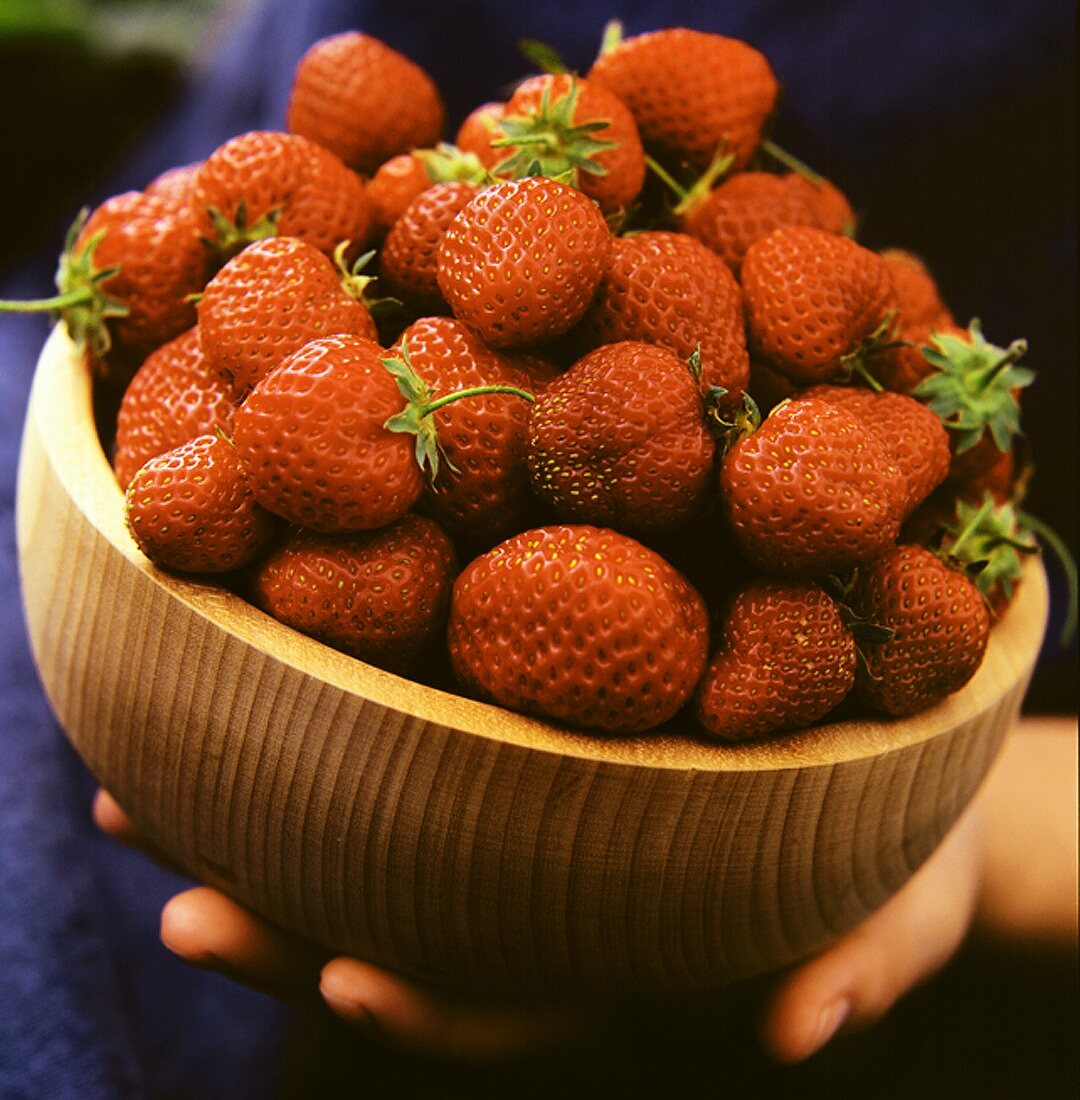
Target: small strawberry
x: 940, y: 626
x: 811, y: 492
x: 192, y: 509
x: 785, y: 659
x: 363, y: 101
x: 691, y: 92
x: 269, y: 301
x: 521, y: 262
x: 381, y: 596
x: 814, y: 301
x: 479, y: 130
x: 266, y: 184
x: 668, y: 289
x: 621, y: 441
x: 173, y: 397
x: 579, y: 624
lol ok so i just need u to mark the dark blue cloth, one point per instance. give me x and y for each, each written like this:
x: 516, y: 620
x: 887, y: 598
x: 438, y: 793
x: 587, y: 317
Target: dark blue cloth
x: 952, y: 125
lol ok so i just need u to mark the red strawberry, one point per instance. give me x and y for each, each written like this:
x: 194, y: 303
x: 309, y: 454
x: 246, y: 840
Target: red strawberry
x: 173, y: 397
x: 668, y: 289
x: 479, y: 130
x: 380, y: 595
x: 408, y: 263
x: 785, y: 659
x: 692, y: 93
x: 521, y: 262
x: 265, y: 184
x: 363, y: 101
x: 913, y: 436
x: 831, y: 205
x: 813, y: 300
x: 175, y: 183
x: 940, y: 624
x: 272, y: 299
x: 192, y: 509
x: 571, y: 127
x: 811, y: 492
x: 312, y: 436
x: 620, y: 440
x: 580, y: 624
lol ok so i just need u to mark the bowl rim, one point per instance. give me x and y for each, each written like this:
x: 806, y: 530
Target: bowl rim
x: 62, y: 406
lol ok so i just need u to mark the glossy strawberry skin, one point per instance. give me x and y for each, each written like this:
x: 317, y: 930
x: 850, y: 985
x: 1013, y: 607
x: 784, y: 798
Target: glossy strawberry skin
x: 270, y: 300
x: 812, y: 298
x: 174, y: 183
x: 690, y: 91
x: 381, y: 596
x: 396, y: 183
x: 668, y: 289
x: 941, y: 626
x: 480, y: 128
x: 620, y: 441
x: 173, y: 398
x: 481, y: 493
x: 363, y: 101
x: 409, y: 261
x: 315, y: 196
x: 192, y: 509
x: 521, y: 262
x: 311, y: 437
x: 784, y: 660
x: 811, y: 492
x: 579, y: 624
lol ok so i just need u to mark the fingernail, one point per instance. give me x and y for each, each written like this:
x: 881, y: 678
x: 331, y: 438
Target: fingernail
x: 829, y: 1023
x: 357, y: 1014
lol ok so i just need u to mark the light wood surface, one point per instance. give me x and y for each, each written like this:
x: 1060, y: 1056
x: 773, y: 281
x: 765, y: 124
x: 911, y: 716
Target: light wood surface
x: 444, y: 837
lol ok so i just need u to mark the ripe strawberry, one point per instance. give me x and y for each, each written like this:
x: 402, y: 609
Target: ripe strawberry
x: 192, y: 509
x: 175, y: 183
x: 265, y: 184
x: 831, y: 205
x: 173, y: 397
x: 363, y: 101
x: 811, y: 492
x: 562, y: 126
x: 479, y: 130
x: 668, y: 289
x: 409, y: 261
x: 785, y: 659
x: 620, y: 441
x: 381, y: 596
x: 580, y: 624
x: 940, y: 624
x: 521, y: 262
x: 691, y: 92
x: 814, y: 299
x: 272, y: 299
x: 312, y: 437
x: 481, y: 494
x: 913, y: 436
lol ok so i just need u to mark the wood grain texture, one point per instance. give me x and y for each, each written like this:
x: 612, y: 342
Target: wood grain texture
x: 447, y: 838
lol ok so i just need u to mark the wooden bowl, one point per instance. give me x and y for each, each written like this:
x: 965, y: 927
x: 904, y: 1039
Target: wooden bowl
x: 446, y: 838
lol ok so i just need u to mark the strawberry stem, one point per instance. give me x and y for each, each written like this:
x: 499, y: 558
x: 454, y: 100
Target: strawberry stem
x: 791, y: 162
x: 1068, y: 563
x: 1013, y: 353
x: 473, y: 391
x: 43, y: 305
x: 613, y: 36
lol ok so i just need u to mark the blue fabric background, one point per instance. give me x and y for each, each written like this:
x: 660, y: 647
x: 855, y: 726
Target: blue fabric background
x: 950, y: 124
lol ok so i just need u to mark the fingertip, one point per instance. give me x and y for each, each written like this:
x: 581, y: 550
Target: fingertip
x: 184, y: 926
x: 110, y: 817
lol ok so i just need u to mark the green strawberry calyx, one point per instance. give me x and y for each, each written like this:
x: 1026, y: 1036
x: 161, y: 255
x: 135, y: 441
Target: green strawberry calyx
x: 356, y: 282
x: 417, y: 417
x: 689, y: 196
x: 446, y: 163
x: 82, y: 302
x: 865, y: 631
x: 231, y: 236
x: 745, y: 421
x: 972, y: 388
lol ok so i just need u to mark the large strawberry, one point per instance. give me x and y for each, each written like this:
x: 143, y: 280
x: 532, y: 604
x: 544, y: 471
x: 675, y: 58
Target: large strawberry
x: 692, y: 93
x: 814, y: 301
x: 521, y: 262
x: 811, y: 492
x: 272, y: 299
x: 579, y: 624
x: 940, y: 626
x: 621, y: 441
x: 363, y: 101
x: 192, y: 509
x: 380, y: 595
x: 668, y: 289
x: 785, y: 659
x: 173, y: 397
x: 264, y: 184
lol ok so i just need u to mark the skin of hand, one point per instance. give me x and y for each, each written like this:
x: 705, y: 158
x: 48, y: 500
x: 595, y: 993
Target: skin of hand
x: 851, y: 984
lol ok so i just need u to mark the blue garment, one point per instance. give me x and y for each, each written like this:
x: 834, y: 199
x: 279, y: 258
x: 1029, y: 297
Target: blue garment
x: 932, y: 116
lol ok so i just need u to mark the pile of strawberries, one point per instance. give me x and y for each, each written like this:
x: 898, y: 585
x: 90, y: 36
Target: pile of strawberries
x: 603, y: 401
